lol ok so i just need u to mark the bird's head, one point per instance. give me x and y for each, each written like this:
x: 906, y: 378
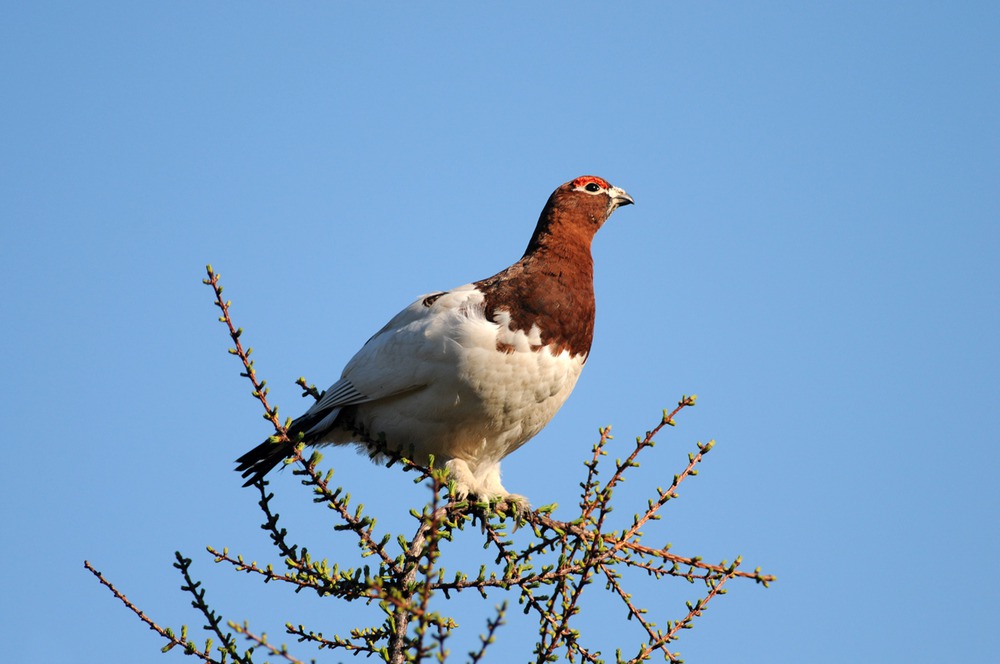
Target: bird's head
x: 589, y: 200
x: 595, y: 194
x: 577, y: 209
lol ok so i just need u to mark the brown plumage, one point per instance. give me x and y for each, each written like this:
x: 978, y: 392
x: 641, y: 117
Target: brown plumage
x: 552, y: 286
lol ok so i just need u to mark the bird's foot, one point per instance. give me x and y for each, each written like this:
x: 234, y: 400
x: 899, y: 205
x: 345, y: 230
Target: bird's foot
x: 512, y: 504
x: 504, y: 506
x: 485, y: 494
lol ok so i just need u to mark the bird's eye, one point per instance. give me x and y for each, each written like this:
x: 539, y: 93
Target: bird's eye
x: 593, y: 186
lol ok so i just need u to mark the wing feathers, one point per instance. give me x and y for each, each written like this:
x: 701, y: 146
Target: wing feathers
x: 341, y: 393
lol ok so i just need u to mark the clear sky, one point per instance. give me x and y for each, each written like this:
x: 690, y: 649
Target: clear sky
x: 814, y: 252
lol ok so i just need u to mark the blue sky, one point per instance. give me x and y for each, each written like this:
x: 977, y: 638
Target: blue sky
x: 814, y: 253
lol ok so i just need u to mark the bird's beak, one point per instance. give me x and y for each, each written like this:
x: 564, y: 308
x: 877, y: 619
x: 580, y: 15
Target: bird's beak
x: 620, y: 198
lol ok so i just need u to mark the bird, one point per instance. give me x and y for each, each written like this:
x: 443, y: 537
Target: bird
x: 471, y: 374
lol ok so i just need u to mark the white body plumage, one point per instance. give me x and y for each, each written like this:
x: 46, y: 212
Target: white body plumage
x: 433, y: 379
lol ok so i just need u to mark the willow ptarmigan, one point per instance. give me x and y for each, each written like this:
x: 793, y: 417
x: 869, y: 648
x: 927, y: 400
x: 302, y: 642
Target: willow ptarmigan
x: 471, y: 374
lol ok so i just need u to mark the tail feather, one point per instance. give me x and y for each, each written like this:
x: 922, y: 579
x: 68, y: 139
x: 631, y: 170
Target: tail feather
x: 261, y: 460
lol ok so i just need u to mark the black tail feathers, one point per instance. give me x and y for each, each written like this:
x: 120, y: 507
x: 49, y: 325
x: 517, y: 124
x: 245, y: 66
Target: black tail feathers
x: 262, y: 459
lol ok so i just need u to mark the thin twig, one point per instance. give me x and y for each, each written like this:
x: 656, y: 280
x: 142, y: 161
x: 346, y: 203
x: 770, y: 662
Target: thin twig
x: 261, y: 640
x: 168, y: 634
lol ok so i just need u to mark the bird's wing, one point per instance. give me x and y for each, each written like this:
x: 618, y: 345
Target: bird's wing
x: 407, y: 354
x: 340, y: 394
